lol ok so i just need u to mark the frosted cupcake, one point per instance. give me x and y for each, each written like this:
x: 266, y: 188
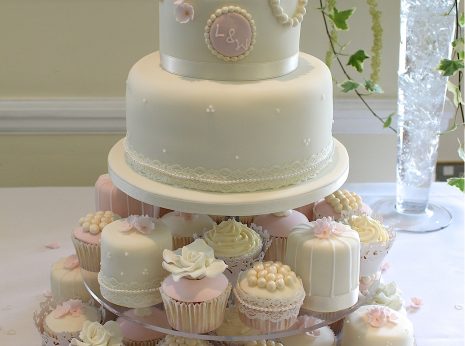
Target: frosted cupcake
x: 372, y: 325
x: 69, y: 318
x: 196, y: 292
x: 134, y: 334
x: 183, y: 226
x: 234, y: 243
x: 269, y: 296
x: 66, y: 280
x: 320, y: 337
x: 247, y: 220
x: 171, y: 340
x: 338, y: 203
x: 376, y: 241
x: 279, y: 225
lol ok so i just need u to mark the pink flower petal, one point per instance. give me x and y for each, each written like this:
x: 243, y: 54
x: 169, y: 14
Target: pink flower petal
x: 415, y: 302
x: 53, y: 246
x: 385, y: 266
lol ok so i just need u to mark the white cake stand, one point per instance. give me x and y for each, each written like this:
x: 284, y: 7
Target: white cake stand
x: 326, y: 182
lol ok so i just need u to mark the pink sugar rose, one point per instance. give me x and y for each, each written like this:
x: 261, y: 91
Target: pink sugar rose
x: 380, y: 316
x: 325, y: 228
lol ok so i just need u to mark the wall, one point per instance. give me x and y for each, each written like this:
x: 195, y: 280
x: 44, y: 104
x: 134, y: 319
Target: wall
x: 54, y: 49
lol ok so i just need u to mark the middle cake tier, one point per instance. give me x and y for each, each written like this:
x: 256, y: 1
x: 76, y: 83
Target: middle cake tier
x: 229, y: 136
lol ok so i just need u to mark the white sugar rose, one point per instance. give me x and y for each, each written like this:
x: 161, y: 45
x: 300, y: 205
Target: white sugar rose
x: 194, y: 261
x: 94, y: 334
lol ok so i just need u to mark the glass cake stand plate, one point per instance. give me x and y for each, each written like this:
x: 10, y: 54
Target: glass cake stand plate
x: 326, y: 182
x: 308, y: 321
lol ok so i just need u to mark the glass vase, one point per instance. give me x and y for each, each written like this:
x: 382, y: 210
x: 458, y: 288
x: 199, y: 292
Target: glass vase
x: 427, y: 28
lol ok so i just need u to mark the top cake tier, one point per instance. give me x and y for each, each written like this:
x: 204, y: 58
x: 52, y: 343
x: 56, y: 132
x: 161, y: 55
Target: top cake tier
x: 224, y: 40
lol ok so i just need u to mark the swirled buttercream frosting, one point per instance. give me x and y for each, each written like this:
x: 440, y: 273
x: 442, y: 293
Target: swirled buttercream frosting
x: 233, y: 239
x: 370, y: 230
x: 193, y: 261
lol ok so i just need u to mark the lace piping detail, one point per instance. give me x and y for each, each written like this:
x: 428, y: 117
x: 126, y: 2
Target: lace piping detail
x: 229, y: 180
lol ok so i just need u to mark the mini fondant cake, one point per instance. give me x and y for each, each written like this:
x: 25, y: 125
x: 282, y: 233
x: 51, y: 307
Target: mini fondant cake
x: 184, y: 225
x: 279, y: 225
x: 109, y: 197
x: 373, y: 325
x: 339, y: 202
x: 66, y: 280
x: 131, y: 270
x: 269, y: 296
x: 326, y: 255
x: 69, y: 317
x: 196, y: 292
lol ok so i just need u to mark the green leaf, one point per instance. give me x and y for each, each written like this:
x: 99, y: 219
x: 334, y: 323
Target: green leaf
x: 339, y: 18
x: 349, y: 85
x: 455, y: 91
x: 356, y: 60
x: 461, y: 20
x: 372, y: 87
x: 459, y: 183
x: 449, y: 67
x: 388, y: 120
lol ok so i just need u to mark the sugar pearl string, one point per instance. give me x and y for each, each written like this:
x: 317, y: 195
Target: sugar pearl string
x: 95, y: 222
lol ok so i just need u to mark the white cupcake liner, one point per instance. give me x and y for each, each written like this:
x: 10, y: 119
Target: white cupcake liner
x: 196, y: 317
x: 88, y: 255
x: 372, y: 255
x: 277, y: 250
x: 48, y: 337
x: 179, y: 242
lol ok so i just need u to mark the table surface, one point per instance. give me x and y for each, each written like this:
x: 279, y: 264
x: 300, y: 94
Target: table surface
x: 428, y: 266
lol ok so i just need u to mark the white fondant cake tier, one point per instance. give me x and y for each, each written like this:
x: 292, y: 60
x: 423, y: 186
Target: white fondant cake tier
x: 223, y: 40
x: 229, y: 136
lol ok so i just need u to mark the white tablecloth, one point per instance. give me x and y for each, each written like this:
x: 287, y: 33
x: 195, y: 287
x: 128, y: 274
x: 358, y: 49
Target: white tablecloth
x: 429, y: 266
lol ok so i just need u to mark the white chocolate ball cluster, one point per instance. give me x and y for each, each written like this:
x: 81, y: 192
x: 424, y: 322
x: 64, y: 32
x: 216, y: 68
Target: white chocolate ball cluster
x: 171, y: 340
x: 271, y: 276
x: 95, y: 222
x: 263, y: 343
x: 344, y: 200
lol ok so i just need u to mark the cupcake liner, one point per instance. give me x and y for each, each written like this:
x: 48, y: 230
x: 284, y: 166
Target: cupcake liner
x: 196, y: 317
x: 267, y: 326
x: 247, y: 220
x: 373, y: 254
x: 88, y: 255
x: 179, y: 242
x: 154, y: 342
x: 277, y: 250
x: 50, y: 338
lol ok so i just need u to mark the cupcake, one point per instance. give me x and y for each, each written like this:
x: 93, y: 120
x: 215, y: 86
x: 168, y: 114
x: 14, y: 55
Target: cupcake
x: 279, y: 225
x: 372, y: 325
x: 86, y: 240
x: 69, y: 318
x: 183, y: 226
x: 247, y: 220
x: 109, y: 197
x: 132, y: 254
x: 66, y: 280
x: 233, y: 326
x: 269, y: 296
x: 196, y: 292
x: 134, y: 334
x: 171, y: 340
x: 376, y: 241
x: 234, y: 243
x: 338, y: 203
x: 323, y: 336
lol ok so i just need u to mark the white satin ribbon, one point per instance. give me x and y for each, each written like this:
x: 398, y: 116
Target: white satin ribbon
x: 228, y: 70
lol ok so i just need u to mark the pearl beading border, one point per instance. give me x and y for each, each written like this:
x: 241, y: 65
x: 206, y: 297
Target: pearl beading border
x: 284, y: 18
x: 218, y: 13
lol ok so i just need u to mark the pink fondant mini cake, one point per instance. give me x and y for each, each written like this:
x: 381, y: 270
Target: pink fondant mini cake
x: 196, y: 292
x: 109, y: 197
x: 183, y: 226
x: 134, y: 334
x: 307, y: 210
x: 279, y: 225
x: 337, y: 203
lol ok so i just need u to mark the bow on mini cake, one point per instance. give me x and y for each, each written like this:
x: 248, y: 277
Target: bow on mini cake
x: 141, y: 224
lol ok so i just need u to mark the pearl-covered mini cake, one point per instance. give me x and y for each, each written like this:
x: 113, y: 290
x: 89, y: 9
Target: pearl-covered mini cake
x: 66, y: 280
x: 269, y: 296
x: 132, y: 253
x: 183, y: 226
x: 326, y: 255
x: 339, y: 202
x: 373, y: 325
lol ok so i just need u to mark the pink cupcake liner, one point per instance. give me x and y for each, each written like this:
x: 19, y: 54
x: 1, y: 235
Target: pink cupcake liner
x: 88, y: 255
x: 179, y: 242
